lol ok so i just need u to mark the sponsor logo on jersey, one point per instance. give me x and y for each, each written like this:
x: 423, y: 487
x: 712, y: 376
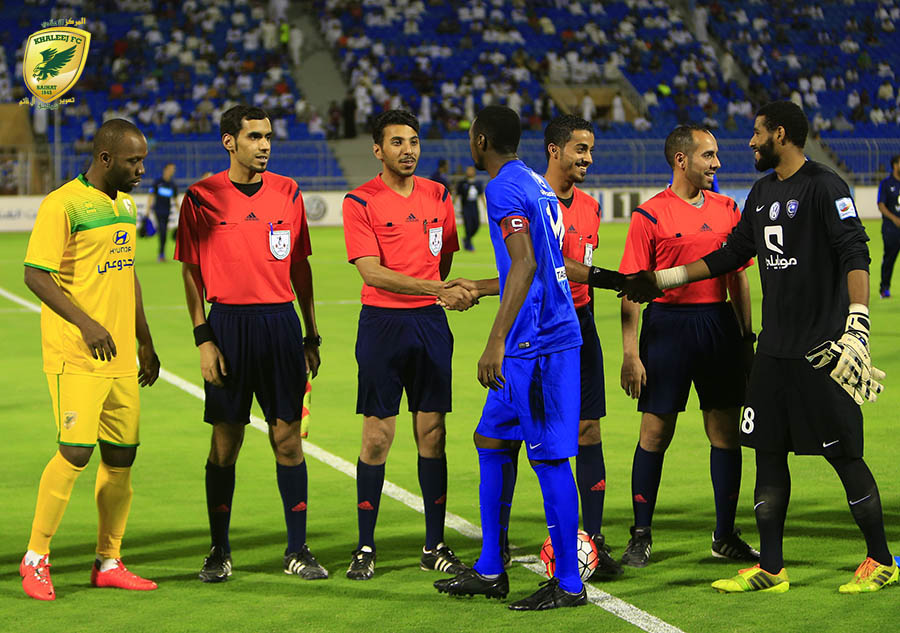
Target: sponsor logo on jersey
x: 572, y: 229
x: 411, y: 218
x: 845, y: 208
x: 774, y: 240
x: 121, y: 237
x: 251, y: 217
x: 705, y: 227
x: 792, y: 207
x: 760, y: 208
x: 561, y: 274
x: 773, y: 211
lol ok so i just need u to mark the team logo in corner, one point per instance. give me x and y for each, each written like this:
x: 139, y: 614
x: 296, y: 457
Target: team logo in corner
x: 436, y: 240
x: 54, y: 59
x: 280, y: 243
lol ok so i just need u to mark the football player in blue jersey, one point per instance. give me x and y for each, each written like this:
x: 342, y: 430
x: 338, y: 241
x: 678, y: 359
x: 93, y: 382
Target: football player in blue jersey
x: 530, y: 360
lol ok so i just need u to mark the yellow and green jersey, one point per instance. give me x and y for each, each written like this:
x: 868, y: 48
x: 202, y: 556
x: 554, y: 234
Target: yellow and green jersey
x: 86, y: 240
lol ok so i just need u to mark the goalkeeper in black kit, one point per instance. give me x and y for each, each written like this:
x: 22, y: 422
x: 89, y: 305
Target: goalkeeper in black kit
x: 812, y: 369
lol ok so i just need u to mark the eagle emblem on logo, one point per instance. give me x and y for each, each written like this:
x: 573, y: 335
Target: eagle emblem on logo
x: 53, y: 62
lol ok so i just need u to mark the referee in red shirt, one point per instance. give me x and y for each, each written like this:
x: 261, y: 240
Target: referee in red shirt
x: 689, y: 335
x: 400, y: 232
x: 244, y: 242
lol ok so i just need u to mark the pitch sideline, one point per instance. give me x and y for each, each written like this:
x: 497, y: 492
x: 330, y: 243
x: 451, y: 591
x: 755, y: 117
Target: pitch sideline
x: 617, y: 607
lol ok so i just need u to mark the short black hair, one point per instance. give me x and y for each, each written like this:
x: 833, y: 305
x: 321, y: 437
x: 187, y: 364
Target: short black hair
x: 681, y: 139
x: 110, y: 134
x: 560, y: 130
x: 233, y: 118
x: 501, y: 126
x: 894, y: 160
x: 392, y: 117
x: 788, y: 115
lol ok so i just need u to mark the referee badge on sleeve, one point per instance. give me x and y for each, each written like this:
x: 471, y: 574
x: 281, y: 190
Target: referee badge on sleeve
x: 436, y: 240
x: 280, y: 243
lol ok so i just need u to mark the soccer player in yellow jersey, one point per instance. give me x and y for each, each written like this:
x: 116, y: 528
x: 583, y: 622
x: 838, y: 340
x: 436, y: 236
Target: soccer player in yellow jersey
x: 80, y: 264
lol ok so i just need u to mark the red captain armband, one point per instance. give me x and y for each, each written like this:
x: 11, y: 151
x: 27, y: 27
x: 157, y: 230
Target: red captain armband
x: 513, y: 224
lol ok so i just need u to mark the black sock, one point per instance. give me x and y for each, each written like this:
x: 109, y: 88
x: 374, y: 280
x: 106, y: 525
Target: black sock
x: 646, y: 472
x: 725, y: 472
x: 433, y: 482
x: 590, y: 473
x: 219, y: 493
x: 865, y: 505
x: 292, y: 484
x: 369, y: 481
x: 771, y: 497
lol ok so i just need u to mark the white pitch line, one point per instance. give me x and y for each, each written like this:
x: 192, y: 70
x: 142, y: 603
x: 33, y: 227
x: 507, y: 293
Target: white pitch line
x: 608, y: 602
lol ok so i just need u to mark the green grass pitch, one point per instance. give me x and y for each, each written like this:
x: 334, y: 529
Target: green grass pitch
x: 167, y: 533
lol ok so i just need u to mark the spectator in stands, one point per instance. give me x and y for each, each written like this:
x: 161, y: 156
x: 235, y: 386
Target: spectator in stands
x: 348, y: 113
x: 841, y: 124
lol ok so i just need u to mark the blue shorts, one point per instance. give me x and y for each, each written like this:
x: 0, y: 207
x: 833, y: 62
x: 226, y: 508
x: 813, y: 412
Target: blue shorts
x: 681, y: 344
x: 593, y: 390
x: 399, y: 349
x: 263, y: 349
x: 538, y: 404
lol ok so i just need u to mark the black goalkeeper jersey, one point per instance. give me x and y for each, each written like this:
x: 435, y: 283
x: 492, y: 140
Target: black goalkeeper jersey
x: 807, y: 235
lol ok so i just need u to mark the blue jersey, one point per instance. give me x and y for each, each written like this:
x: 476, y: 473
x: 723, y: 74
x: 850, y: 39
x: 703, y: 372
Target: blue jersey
x: 889, y: 196
x: 546, y: 322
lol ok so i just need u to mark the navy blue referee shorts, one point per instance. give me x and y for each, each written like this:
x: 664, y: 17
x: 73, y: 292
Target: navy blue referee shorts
x: 691, y: 343
x: 263, y: 349
x: 593, y: 390
x: 403, y: 348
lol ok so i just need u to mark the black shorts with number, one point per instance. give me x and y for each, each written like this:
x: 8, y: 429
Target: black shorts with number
x: 685, y: 343
x: 403, y: 348
x: 263, y: 349
x: 593, y: 389
x: 793, y: 407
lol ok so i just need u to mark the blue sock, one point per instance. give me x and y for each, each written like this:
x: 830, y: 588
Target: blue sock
x: 491, y: 463
x: 433, y: 482
x: 369, y: 482
x: 219, y: 493
x: 293, y: 485
x: 590, y: 473
x: 561, y: 510
x: 510, y: 473
x: 646, y: 471
x: 725, y: 472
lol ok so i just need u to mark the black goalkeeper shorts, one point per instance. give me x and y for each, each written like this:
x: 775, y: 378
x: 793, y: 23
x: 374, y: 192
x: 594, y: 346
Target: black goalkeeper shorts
x: 793, y: 407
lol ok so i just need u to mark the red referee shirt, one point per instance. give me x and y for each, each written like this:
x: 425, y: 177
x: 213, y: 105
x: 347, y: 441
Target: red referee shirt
x: 667, y: 231
x: 582, y: 218
x: 243, y: 244
x: 408, y: 235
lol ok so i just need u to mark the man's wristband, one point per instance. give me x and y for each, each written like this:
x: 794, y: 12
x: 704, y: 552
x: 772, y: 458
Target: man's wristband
x: 313, y: 340
x: 750, y: 337
x: 202, y: 334
x: 603, y: 278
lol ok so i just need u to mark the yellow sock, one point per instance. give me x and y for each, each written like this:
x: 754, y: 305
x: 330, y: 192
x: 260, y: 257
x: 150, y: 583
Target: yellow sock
x: 113, y: 494
x: 53, y: 497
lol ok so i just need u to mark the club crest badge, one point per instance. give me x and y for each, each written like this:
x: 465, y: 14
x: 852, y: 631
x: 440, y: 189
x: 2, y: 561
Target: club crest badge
x: 280, y: 243
x: 53, y: 62
x: 436, y: 240
x: 792, y: 207
x: 69, y: 419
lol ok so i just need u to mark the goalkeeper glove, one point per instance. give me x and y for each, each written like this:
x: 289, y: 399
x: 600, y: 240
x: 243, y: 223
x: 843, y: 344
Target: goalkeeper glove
x: 852, y: 369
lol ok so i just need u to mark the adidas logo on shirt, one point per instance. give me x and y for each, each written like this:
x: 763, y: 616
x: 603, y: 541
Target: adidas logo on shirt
x: 411, y: 218
x: 705, y: 227
x: 251, y: 218
x: 572, y: 229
